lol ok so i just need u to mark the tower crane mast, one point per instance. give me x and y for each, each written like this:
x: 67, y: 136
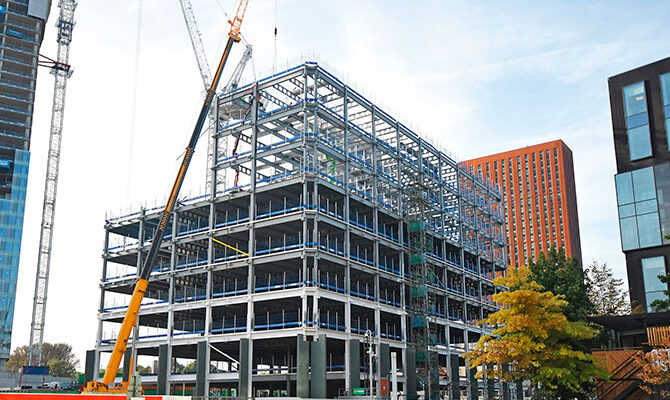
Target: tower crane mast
x: 196, y: 42
x: 62, y: 71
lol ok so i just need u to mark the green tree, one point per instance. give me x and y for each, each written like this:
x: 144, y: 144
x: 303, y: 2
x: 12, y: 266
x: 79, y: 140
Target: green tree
x: 606, y: 292
x: 56, y: 351
x: 190, y: 368
x: 183, y: 369
x: 662, y: 304
x: 17, y: 359
x: 61, y: 368
x: 534, y: 337
x: 564, y: 276
x: 143, y: 370
x: 59, y: 351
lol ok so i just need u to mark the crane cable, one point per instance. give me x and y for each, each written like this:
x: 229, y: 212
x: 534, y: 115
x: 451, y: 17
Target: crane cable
x: 274, y: 59
x: 133, y: 109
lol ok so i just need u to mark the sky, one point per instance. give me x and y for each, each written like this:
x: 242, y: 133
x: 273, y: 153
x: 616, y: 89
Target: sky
x: 475, y: 77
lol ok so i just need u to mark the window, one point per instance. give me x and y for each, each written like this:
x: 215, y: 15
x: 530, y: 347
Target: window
x: 635, y: 99
x: 643, y: 184
x: 639, y: 142
x: 665, y: 89
x: 638, y: 209
x: 653, y: 287
x: 624, y: 188
x: 662, y: 178
x: 637, y: 121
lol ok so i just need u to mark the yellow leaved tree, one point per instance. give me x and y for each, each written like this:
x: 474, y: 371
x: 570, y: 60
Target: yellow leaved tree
x: 532, y: 339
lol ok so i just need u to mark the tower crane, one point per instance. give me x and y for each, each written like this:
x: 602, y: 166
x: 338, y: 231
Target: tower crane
x: 62, y: 71
x: 142, y: 282
x: 205, y: 73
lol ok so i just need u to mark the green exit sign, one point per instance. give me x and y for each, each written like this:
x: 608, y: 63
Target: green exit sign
x: 358, y: 391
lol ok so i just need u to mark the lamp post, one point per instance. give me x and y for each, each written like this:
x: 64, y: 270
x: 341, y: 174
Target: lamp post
x: 369, y: 342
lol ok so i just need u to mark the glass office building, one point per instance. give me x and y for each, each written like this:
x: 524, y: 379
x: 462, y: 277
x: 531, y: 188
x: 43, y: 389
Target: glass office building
x: 22, y: 27
x: 640, y: 106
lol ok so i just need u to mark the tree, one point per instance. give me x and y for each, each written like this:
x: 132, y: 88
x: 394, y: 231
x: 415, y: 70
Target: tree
x: 534, y: 337
x: 56, y: 351
x: 662, y: 304
x: 143, y: 370
x: 564, y: 276
x: 17, y: 360
x: 606, y: 292
x: 61, y: 368
x: 183, y: 369
x: 59, y: 351
x: 655, y: 369
x: 190, y: 368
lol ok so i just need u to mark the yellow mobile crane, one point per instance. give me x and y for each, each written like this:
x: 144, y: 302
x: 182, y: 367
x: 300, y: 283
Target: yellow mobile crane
x: 106, y: 385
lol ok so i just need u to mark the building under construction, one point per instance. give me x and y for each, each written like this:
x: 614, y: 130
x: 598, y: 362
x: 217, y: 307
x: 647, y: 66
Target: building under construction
x: 327, y: 219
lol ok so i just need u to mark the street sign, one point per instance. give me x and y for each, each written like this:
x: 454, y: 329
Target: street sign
x: 358, y: 391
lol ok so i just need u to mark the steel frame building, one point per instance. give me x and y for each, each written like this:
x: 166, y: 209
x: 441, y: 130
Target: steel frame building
x: 322, y: 256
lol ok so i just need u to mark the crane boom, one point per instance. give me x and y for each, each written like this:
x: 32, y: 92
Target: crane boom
x: 62, y: 71
x: 205, y: 74
x: 143, y: 277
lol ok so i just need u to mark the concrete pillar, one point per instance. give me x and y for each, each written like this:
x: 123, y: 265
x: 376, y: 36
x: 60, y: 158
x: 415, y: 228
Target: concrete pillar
x: 473, y: 385
x: 410, y: 373
x: 519, y: 390
x: 243, y: 370
x: 201, y: 368
x: 89, y: 369
x: 384, y: 360
x: 455, y: 377
x: 491, y: 388
x: 394, y: 376
x: 354, y: 364
x: 162, y: 369
x: 127, y: 356
x: 318, y: 361
x: 505, y: 385
x: 302, y: 380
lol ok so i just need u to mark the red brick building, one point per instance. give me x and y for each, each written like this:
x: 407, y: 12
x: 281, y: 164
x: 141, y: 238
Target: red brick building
x: 538, y: 186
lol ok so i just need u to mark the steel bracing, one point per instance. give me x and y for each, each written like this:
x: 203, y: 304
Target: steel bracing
x: 60, y: 68
x: 321, y: 217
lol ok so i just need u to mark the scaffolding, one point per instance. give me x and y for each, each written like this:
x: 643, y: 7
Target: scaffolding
x: 326, y: 226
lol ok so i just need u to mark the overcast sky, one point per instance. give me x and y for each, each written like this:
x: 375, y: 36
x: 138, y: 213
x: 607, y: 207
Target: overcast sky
x: 478, y: 79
